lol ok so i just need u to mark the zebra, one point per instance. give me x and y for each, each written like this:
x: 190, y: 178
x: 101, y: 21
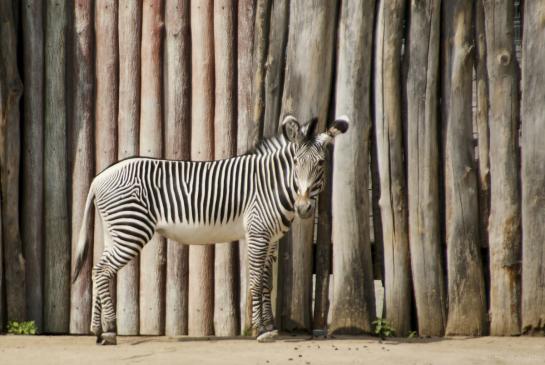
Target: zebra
x: 254, y: 197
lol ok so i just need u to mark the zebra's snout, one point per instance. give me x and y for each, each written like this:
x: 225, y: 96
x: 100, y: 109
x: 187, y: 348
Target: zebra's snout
x: 304, y: 208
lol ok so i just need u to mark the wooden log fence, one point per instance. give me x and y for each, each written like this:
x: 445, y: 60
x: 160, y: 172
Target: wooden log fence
x: 457, y: 173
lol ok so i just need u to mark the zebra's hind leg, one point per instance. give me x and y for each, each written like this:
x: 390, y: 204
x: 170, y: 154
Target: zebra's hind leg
x: 104, y: 272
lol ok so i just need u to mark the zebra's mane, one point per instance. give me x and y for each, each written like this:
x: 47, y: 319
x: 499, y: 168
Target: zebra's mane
x: 270, y: 145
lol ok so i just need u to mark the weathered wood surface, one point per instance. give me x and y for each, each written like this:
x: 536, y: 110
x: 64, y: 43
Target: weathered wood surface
x: 504, y: 223
x: 467, y: 301
x: 247, y: 132
x: 201, y: 258
x: 533, y: 169
x: 225, y: 298
x: 423, y: 145
x: 82, y: 153
x: 353, y: 306
x: 128, y: 120
x: 12, y: 89
x: 56, y: 221
x: 32, y: 159
x: 177, y: 146
x: 390, y: 157
x: 153, y: 256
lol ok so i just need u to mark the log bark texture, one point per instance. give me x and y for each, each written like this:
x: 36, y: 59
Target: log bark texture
x: 353, y: 307
x: 57, y: 241
x: 423, y: 167
x: 201, y: 258
x: 247, y: 132
x: 177, y: 76
x: 32, y: 159
x: 11, y: 92
x: 225, y: 298
x: 83, y: 162
x: 130, y: 33
x: 533, y: 169
x: 467, y: 302
x: 309, y: 61
x: 391, y: 169
x: 504, y: 222
x: 153, y: 256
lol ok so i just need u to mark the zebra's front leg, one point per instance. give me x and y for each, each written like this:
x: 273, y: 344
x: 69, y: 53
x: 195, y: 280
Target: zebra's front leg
x: 270, y: 333
x: 257, y: 254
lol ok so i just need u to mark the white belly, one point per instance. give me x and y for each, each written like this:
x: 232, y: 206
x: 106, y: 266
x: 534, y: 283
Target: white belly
x: 201, y: 234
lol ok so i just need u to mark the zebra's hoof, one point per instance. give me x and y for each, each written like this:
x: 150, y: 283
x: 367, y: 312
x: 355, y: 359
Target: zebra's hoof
x: 109, y: 338
x: 269, y: 336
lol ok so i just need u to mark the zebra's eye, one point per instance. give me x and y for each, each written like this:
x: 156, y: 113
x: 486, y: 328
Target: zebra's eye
x: 321, y: 163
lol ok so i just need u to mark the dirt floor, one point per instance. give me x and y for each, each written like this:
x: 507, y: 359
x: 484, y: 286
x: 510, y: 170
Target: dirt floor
x: 287, y: 350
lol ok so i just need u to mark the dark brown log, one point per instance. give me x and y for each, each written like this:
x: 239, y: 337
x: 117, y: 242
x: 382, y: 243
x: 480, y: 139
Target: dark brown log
x: 177, y: 76
x: 11, y: 91
x: 504, y: 223
x: 56, y: 223
x: 83, y: 163
x: 353, y: 307
x: 129, y: 28
x: 201, y: 258
x: 247, y: 131
x: 261, y: 35
x: 32, y: 160
x: 423, y: 167
x: 309, y: 60
x: 225, y: 306
x: 533, y: 169
x: 390, y: 157
x: 467, y: 302
x: 153, y: 256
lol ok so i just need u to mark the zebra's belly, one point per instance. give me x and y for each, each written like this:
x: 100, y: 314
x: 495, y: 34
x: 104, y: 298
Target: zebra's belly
x: 201, y: 234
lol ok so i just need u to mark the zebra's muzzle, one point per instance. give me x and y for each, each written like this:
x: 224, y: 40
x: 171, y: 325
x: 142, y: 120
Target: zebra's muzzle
x: 304, y: 208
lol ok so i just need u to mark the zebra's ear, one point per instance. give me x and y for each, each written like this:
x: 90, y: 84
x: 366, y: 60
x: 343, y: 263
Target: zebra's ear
x: 291, y: 129
x: 339, y: 126
x: 309, y: 129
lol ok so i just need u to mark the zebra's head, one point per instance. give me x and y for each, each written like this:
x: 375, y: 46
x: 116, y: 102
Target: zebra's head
x: 309, y: 158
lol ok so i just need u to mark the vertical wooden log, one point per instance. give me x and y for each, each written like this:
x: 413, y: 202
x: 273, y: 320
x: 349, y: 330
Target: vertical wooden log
x: 306, y: 94
x: 261, y: 37
x: 57, y: 242
x: 177, y: 146
x: 153, y: 257
x: 225, y: 307
x: 391, y: 169
x: 106, y: 102
x: 353, y: 306
x: 201, y: 258
x: 533, y: 169
x: 129, y: 30
x: 83, y: 160
x: 32, y: 198
x: 504, y: 223
x: 12, y: 89
x: 467, y: 302
x: 481, y: 79
x: 423, y: 167
x: 247, y: 131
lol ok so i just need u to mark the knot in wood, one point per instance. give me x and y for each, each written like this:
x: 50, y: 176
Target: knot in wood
x: 504, y: 58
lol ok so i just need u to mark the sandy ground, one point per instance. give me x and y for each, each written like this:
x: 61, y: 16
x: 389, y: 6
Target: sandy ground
x: 288, y: 350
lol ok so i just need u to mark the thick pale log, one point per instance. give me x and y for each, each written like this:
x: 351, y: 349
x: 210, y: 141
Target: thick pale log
x: 309, y: 60
x: 83, y: 163
x: 56, y: 224
x: 225, y: 305
x: 12, y: 89
x: 533, y: 169
x: 467, y: 302
x: 353, y: 307
x: 32, y: 160
x: 129, y: 28
x: 247, y: 131
x: 504, y: 223
x: 177, y: 76
x: 201, y: 258
x: 153, y: 256
x: 391, y: 169
x: 423, y: 167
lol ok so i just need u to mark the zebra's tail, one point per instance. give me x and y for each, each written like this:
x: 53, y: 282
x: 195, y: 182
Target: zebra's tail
x: 83, y: 240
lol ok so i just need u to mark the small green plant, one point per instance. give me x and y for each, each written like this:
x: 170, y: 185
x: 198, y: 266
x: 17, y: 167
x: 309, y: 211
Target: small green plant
x: 412, y: 334
x: 383, y: 328
x: 22, y: 328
